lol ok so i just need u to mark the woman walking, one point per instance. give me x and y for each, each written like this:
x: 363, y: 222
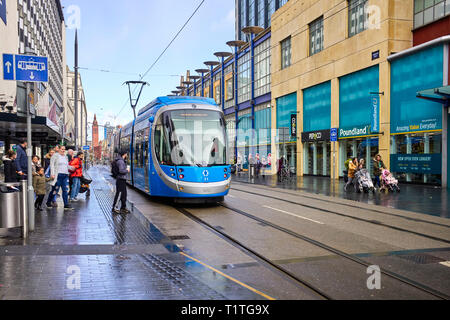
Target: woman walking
x: 59, y: 169
x: 352, y: 167
x: 76, y: 175
x: 378, y: 166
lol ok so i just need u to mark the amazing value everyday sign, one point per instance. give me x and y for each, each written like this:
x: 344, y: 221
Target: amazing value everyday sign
x: 424, y: 125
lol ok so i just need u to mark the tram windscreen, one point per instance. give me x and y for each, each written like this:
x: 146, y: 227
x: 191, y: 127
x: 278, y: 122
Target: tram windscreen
x: 191, y: 138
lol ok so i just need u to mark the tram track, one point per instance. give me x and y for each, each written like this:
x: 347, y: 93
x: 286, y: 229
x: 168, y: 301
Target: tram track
x: 378, y: 223
x: 339, y: 203
x: 287, y: 274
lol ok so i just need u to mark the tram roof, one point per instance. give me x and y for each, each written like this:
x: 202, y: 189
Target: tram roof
x: 167, y: 101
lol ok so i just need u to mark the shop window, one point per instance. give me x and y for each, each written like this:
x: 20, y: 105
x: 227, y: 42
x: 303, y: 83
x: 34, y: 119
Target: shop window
x: 418, y: 144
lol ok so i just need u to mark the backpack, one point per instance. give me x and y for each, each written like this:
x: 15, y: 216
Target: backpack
x: 114, y: 169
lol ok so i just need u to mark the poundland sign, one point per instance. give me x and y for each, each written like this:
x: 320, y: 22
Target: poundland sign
x: 354, y: 132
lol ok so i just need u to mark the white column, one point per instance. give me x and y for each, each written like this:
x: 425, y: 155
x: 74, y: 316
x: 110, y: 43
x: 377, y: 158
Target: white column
x: 315, y: 159
x: 325, y: 158
x: 306, y: 158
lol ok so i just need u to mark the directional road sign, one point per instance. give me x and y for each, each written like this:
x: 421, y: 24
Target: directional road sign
x: 25, y: 68
x: 86, y: 148
x: 8, y: 67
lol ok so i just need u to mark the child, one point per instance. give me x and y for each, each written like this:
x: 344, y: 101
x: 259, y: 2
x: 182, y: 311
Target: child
x: 39, y: 182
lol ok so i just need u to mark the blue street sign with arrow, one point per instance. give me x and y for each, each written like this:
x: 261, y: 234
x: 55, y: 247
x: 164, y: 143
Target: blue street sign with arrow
x: 8, y: 67
x: 25, y: 68
x: 86, y: 148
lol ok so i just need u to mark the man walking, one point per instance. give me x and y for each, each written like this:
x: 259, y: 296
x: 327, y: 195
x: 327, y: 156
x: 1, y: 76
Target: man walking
x: 76, y: 175
x: 22, y: 159
x: 120, y: 171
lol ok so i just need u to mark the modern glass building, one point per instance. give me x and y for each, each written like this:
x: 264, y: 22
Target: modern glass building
x: 255, y: 13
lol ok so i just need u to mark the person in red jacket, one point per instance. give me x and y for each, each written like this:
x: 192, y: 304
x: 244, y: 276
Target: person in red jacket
x: 76, y: 174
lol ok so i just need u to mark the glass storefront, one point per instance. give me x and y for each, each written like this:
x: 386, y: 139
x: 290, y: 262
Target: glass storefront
x: 361, y: 148
x: 417, y: 158
x: 317, y: 156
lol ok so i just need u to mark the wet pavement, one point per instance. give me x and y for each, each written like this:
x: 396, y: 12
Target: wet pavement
x: 424, y: 199
x: 89, y: 253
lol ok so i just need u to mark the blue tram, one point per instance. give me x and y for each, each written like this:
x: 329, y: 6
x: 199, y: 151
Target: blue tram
x: 177, y: 149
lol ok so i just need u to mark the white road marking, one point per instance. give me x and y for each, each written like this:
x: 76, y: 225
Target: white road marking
x: 231, y: 196
x: 446, y: 263
x: 294, y: 215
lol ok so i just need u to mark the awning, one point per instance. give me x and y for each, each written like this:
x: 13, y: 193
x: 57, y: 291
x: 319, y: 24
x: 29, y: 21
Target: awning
x: 440, y: 95
x: 44, y: 131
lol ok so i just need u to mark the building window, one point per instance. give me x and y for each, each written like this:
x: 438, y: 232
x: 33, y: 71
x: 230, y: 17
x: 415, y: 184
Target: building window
x: 426, y: 11
x: 243, y: 17
x: 286, y: 53
x: 262, y: 14
x: 217, y: 96
x: 283, y: 2
x: 229, y: 89
x: 251, y: 12
x: 357, y: 17
x: 316, y: 36
x: 244, y: 79
x: 262, y: 68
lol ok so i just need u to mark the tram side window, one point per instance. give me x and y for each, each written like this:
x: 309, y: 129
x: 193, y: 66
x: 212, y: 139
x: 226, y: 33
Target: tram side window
x: 161, y: 146
x: 145, y: 146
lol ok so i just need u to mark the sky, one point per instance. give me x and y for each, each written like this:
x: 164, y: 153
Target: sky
x: 127, y: 37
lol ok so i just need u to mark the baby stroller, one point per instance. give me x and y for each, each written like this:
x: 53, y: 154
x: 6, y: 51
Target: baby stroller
x: 364, y: 182
x: 388, y: 182
x: 85, y: 186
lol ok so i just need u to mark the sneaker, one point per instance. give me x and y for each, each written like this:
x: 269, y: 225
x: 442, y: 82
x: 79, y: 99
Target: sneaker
x: 125, y: 211
x: 115, y: 211
x: 68, y: 208
x: 54, y: 205
x: 49, y: 206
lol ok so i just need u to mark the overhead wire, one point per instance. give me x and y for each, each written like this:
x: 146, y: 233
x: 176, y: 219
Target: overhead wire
x: 164, y: 51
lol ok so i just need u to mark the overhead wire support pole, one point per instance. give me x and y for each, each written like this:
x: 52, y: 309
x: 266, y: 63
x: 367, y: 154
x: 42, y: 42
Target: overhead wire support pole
x: 134, y: 102
x: 76, y: 90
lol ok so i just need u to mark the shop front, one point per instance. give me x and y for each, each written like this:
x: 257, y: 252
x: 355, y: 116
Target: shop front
x: 357, y: 142
x: 417, y: 124
x: 287, y: 130
x: 357, y: 139
x: 316, y: 134
x: 317, y: 153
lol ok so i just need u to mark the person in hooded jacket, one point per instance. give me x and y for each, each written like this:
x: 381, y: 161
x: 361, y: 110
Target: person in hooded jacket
x: 10, y: 169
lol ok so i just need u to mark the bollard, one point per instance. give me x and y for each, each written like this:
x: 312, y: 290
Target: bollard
x: 24, y: 208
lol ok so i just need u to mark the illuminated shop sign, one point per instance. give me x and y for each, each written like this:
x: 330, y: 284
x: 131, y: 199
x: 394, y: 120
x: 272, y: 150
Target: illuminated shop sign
x: 354, y: 132
x: 323, y: 135
x: 424, y: 125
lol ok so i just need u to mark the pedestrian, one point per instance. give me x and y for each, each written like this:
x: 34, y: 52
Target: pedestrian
x: 51, y: 195
x: 378, y: 167
x: 22, y: 159
x: 258, y: 165
x: 48, y: 158
x: 10, y: 169
x: 76, y: 175
x: 36, y: 165
x: 352, y: 168
x: 39, y: 185
x: 120, y: 171
x: 59, y: 168
x: 361, y: 165
x: 70, y: 153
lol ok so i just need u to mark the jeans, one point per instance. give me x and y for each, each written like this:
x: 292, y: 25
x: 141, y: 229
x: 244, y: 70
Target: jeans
x: 121, y: 191
x: 76, y: 184
x: 63, y: 183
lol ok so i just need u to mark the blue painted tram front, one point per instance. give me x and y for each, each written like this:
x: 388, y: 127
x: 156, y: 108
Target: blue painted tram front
x: 177, y: 148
